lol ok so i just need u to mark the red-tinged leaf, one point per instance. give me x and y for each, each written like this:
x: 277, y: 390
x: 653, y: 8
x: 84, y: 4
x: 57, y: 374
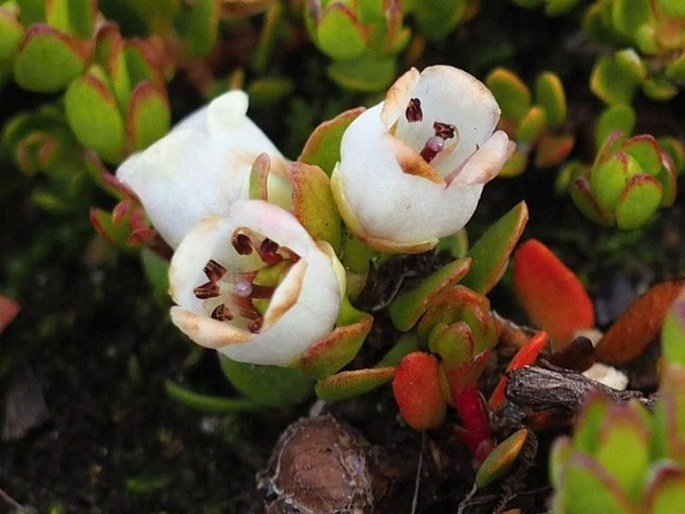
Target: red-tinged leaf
x: 48, y: 59
x: 109, y: 52
x: 348, y: 384
x: 9, y: 309
x: 259, y: 178
x: 148, y: 117
x: 526, y: 356
x: 552, y: 296
x: 665, y: 493
x: 323, y: 146
x: 500, y: 460
x: 552, y: 149
x: 639, y: 325
x: 476, y: 432
x: 418, y: 392
x: 582, y: 196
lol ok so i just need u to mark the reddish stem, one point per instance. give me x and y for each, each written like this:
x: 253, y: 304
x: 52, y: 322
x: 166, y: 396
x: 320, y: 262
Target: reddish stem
x: 476, y: 433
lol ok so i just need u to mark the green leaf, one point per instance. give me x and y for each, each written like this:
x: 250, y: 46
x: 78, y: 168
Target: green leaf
x: 666, y: 491
x: 645, y: 150
x: 82, y: 17
x: 559, y: 7
x: 109, y: 53
x: 340, y: 34
x: 200, y: 26
x: 593, y: 416
x: 582, y: 196
x: 313, y: 203
x: 93, y: 114
x: 675, y: 70
x: 268, y: 385
x: 349, y: 384
x: 516, y: 164
x: 48, y: 60
x: 532, y: 125
x: 549, y: 94
x: 409, y: 306
x: 659, y: 88
x: 588, y: 488
x: 501, y: 459
x: 558, y: 459
x: 673, y: 333
x: 11, y: 32
x: 437, y: 18
x: 156, y: 270
x: 621, y: 450
x: 629, y: 16
x: 31, y: 12
x: 640, y: 199
x: 209, y: 403
x: 367, y: 73
x: 615, y: 117
x: 614, y: 78
x: 490, y: 255
x: 512, y: 94
x: 148, y: 117
x: 675, y: 8
x: 323, y: 146
x: 609, y: 178
x: 267, y: 91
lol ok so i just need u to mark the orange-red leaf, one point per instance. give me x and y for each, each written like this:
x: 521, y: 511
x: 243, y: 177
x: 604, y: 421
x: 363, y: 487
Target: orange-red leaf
x: 551, y: 294
x: 8, y: 311
x: 417, y: 390
x: 639, y: 325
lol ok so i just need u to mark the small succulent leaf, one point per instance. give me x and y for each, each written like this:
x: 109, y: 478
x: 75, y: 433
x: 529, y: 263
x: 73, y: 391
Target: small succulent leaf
x: 269, y: 385
x: 517, y: 163
x: 48, y: 60
x: 668, y: 426
x: 552, y: 149
x: 82, y: 17
x: 549, y: 94
x: 621, y: 449
x: 109, y: 53
x: 406, y: 344
x: 11, y: 32
x: 490, y: 255
x: 501, y: 459
x: 639, y: 325
x: 675, y: 70
x: 340, y: 34
x: 267, y: 91
x: 448, y: 307
x: 322, y: 149
x: 532, y: 125
x: 629, y: 16
x: 614, y: 78
x: 550, y: 293
x: 141, y: 65
x: 584, y: 475
x: 57, y: 15
x: 609, y: 179
x: 511, y: 92
x: 418, y: 392
x: 583, y: 197
x: 437, y: 18
x: 453, y: 342
x: 668, y: 178
x: 620, y: 117
x: 609, y: 147
x: 638, y: 202
x: 313, y: 203
x: 675, y: 150
x: 330, y: 354
x: 367, y: 73
x: 665, y: 493
x: 348, y: 384
x: 645, y: 150
x: 673, y: 8
x: 673, y: 332
x: 560, y: 452
x: 526, y: 356
x: 272, y: 28
x: 409, y: 306
x: 93, y: 114
x: 31, y: 12
x: 148, y: 117
x: 559, y: 7
x: 259, y: 176
x: 659, y: 88
x: 156, y: 270
x: 102, y: 222
x: 200, y: 26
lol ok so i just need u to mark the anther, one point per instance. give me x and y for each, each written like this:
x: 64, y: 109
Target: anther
x: 413, y: 112
x: 214, y: 270
x: 435, y: 144
x: 222, y: 313
x: 207, y: 290
x: 242, y: 243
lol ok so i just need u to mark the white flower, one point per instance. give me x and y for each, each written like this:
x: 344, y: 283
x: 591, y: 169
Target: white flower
x: 202, y: 166
x: 254, y: 285
x: 412, y: 168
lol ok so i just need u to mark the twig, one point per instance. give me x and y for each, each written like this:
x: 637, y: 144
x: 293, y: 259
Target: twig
x: 545, y: 387
x: 14, y: 503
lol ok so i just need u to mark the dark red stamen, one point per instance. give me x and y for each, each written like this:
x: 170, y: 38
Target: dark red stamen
x: 222, y: 313
x: 268, y: 252
x: 207, y: 290
x: 262, y: 291
x: 413, y: 112
x: 435, y: 144
x: 214, y: 271
x: 444, y: 130
x: 242, y: 243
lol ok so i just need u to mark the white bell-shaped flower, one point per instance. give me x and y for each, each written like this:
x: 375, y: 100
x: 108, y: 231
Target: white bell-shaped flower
x: 412, y: 168
x: 254, y: 285
x: 202, y: 166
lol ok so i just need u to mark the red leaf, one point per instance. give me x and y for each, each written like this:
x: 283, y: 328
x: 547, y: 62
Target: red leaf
x: 552, y: 296
x: 417, y: 390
